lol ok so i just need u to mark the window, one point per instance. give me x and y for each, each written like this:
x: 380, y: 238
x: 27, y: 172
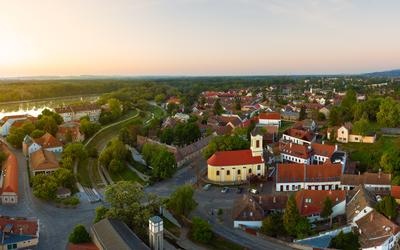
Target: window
x: 249, y: 170
x: 257, y: 144
x: 238, y: 172
x: 258, y: 167
x: 228, y: 172
x: 217, y: 173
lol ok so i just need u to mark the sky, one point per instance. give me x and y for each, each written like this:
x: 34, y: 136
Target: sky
x: 197, y: 37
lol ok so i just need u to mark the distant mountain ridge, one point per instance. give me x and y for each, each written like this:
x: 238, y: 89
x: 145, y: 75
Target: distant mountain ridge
x: 388, y: 73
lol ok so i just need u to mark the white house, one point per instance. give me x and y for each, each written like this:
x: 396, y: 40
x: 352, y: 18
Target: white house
x: 271, y: 118
x: 291, y: 152
x: 75, y: 113
x: 311, y: 203
x: 8, y: 121
x: 376, y: 182
x: 295, y: 176
x: 298, y: 136
x: 47, y: 142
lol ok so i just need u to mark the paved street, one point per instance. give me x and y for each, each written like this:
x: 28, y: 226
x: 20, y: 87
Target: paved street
x: 55, y: 223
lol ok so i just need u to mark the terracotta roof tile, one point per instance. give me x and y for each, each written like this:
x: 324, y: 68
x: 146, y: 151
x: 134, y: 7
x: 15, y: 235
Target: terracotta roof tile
x: 234, y: 158
x: 10, y: 182
x: 48, y: 141
x: 395, y: 192
x: 300, y: 151
x: 300, y: 134
x: 323, y: 149
x: 312, y: 201
x: 43, y: 159
x: 270, y: 116
x: 297, y: 172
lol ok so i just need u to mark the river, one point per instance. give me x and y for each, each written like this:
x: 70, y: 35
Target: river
x: 35, y: 107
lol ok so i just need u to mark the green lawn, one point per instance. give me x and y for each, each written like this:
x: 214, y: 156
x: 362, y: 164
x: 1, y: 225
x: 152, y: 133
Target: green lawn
x: 83, y: 173
x: 126, y: 175
x: 369, y: 155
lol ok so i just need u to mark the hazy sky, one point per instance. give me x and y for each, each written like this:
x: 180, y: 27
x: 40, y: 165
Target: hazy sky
x: 197, y: 37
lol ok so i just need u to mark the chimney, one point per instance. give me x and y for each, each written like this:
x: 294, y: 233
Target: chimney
x: 359, y: 173
x: 290, y: 144
x: 336, y: 147
x: 259, y: 200
x: 274, y: 199
x: 379, y: 173
x: 323, y: 142
x: 371, y: 218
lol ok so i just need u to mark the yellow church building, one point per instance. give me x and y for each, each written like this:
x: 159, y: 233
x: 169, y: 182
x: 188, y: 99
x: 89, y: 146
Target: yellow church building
x: 237, y: 165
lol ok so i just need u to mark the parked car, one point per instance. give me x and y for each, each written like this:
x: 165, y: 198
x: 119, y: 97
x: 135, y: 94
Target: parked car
x: 239, y: 190
x: 225, y: 190
x: 253, y: 191
x: 206, y: 187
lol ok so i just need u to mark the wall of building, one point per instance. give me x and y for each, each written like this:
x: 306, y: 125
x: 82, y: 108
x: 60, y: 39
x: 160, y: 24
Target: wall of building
x: 220, y: 174
x: 295, y: 140
x: 269, y: 122
x: 250, y: 224
x: 362, y: 139
x: 286, y: 157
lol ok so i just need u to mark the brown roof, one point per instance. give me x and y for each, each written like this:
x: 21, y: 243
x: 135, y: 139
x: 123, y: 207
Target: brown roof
x: 395, y: 192
x: 297, y: 150
x: 235, y: 121
x: 43, y: 160
x: 6, y: 118
x: 375, y: 229
x: 247, y: 208
x: 71, y: 127
x: 24, y: 226
x: 358, y: 199
x: 297, y: 172
x: 48, y: 141
x: 234, y: 158
x: 301, y: 134
x: 366, y: 178
x: 323, y: 149
x: 270, y: 116
x: 82, y: 246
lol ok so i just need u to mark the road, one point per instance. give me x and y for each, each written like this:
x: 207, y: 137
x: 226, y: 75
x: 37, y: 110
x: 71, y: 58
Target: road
x: 55, y: 223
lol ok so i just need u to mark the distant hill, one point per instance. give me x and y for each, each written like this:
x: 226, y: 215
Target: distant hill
x: 389, y: 73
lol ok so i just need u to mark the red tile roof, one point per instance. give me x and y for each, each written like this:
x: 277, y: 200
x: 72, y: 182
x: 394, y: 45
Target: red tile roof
x: 395, y: 192
x: 297, y: 172
x: 48, y: 141
x: 10, y: 182
x: 6, y: 118
x: 82, y: 246
x: 323, y: 149
x: 233, y: 158
x: 301, y: 134
x: 24, y: 226
x: 300, y: 151
x: 270, y: 116
x: 312, y: 201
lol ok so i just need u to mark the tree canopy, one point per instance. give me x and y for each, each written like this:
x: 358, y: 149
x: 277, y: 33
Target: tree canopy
x: 79, y: 235
x: 181, y: 202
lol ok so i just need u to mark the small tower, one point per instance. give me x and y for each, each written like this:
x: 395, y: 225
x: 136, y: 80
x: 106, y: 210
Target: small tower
x: 256, y: 146
x: 156, y: 233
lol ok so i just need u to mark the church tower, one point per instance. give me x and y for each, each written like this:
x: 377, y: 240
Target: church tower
x: 256, y: 145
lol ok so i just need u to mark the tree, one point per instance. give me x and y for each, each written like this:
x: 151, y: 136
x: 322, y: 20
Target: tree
x: 291, y: 216
x: 163, y: 164
x: 181, y: 202
x: 47, y: 124
x: 44, y: 186
x: 159, y: 98
x: 225, y: 143
x: 65, y: 178
x: 345, y: 241
x: 54, y: 115
x: 238, y: 105
x: 116, y: 166
x: 79, y: 235
x: 388, y: 113
x: 101, y: 213
x: 115, y: 108
x: 67, y: 162
x: 272, y: 225
x: 362, y: 127
x: 16, y: 136
x: 167, y: 136
x: 37, y: 133
x: 76, y: 151
x: 218, y: 109
x: 201, y: 230
x: 390, y: 161
x: 88, y: 128
x: 303, y: 114
x: 302, y: 228
x: 388, y: 207
x: 327, y: 209
x: 3, y: 157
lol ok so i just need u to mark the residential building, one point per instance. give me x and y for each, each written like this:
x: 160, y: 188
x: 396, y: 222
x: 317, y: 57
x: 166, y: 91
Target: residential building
x: 290, y: 115
x: 307, y: 125
x: 111, y: 234
x: 292, y: 152
x: 249, y: 211
x: 236, y: 166
x: 9, y: 121
x: 69, y: 132
x: 75, y: 113
x: 298, y: 136
x: 9, y: 178
x: 375, y: 230
x: 271, y: 118
x: 344, y: 135
x: 375, y: 182
x: 395, y: 193
x: 18, y: 233
x: 181, y: 117
x: 47, y: 142
x: 43, y: 162
x: 311, y: 203
x: 297, y: 176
